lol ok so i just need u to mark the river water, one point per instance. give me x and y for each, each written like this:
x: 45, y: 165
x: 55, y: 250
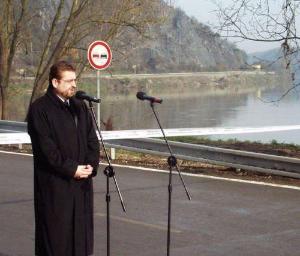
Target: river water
x: 187, y: 107
x: 212, y: 110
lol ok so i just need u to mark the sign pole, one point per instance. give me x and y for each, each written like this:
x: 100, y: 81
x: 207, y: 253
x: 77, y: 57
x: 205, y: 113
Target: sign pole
x: 99, y: 56
x: 98, y: 96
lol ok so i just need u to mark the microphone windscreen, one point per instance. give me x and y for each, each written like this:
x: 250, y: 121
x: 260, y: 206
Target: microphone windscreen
x: 141, y: 95
x: 79, y: 94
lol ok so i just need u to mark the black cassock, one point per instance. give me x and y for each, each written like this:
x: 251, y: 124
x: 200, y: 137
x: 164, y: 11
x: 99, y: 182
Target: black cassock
x: 63, y: 205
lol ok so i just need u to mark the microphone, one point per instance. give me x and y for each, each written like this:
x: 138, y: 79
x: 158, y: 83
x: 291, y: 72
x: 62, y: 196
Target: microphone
x: 144, y: 96
x: 81, y: 95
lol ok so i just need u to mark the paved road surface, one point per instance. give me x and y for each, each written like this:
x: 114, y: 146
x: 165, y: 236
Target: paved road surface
x: 223, y: 218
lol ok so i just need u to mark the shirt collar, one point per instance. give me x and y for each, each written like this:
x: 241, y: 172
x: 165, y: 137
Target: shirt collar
x: 62, y: 99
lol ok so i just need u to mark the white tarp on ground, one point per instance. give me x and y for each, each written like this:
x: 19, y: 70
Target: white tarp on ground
x: 23, y: 138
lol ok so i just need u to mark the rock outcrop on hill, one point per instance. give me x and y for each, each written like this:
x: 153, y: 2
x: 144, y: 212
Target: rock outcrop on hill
x: 184, y: 44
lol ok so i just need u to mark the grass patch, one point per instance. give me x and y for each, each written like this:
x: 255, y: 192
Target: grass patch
x: 232, y: 142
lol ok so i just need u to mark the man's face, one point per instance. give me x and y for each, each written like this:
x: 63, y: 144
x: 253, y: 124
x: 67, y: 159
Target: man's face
x: 66, y: 86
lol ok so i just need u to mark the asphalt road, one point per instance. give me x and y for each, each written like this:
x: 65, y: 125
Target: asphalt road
x: 223, y: 218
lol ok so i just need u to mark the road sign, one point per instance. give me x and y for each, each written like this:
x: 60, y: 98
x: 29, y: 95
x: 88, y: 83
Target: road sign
x: 99, y: 55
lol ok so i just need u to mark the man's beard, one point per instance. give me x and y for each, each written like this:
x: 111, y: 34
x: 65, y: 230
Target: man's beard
x: 69, y: 93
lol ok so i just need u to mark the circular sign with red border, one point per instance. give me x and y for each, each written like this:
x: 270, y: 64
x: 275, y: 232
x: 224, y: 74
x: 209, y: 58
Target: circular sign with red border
x: 99, y: 55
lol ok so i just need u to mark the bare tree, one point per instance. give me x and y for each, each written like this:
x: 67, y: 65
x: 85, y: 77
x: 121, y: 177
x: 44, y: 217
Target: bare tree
x: 64, y: 28
x: 86, y: 19
x: 263, y: 21
x: 12, y: 22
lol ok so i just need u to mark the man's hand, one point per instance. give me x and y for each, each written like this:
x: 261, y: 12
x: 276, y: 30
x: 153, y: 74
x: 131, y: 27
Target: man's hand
x: 83, y: 171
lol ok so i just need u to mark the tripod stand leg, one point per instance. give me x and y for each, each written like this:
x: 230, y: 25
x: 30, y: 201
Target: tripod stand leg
x: 172, y: 161
x: 107, y: 217
x: 169, y: 211
x: 120, y: 195
x: 182, y: 181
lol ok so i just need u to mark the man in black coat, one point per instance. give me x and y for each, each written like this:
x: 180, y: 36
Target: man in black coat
x: 66, y: 156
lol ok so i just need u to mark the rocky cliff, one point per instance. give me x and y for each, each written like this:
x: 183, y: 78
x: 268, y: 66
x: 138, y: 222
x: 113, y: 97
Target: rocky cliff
x: 182, y: 43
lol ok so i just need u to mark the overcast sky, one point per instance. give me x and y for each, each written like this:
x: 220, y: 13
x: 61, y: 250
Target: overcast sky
x: 202, y: 10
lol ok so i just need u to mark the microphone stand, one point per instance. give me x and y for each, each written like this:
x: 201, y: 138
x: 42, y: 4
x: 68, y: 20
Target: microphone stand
x: 110, y: 173
x: 172, y: 162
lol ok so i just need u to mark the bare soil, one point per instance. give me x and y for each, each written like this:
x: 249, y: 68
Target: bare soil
x: 156, y: 162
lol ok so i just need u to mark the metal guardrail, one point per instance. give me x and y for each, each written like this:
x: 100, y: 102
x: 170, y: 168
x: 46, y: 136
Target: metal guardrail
x: 265, y: 163
x: 12, y: 126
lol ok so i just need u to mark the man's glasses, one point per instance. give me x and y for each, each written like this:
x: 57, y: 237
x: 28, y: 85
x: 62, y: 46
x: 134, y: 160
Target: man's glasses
x: 69, y: 81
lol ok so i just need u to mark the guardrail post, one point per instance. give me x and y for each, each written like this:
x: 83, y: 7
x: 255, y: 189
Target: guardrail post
x: 112, y: 153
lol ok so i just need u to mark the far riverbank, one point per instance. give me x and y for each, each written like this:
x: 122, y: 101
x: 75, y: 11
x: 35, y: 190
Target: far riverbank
x: 200, y: 99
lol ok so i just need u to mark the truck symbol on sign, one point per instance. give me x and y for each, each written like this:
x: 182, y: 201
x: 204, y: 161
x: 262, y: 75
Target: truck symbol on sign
x: 97, y: 56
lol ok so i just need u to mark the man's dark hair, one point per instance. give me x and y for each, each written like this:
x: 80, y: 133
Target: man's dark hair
x: 57, y: 69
